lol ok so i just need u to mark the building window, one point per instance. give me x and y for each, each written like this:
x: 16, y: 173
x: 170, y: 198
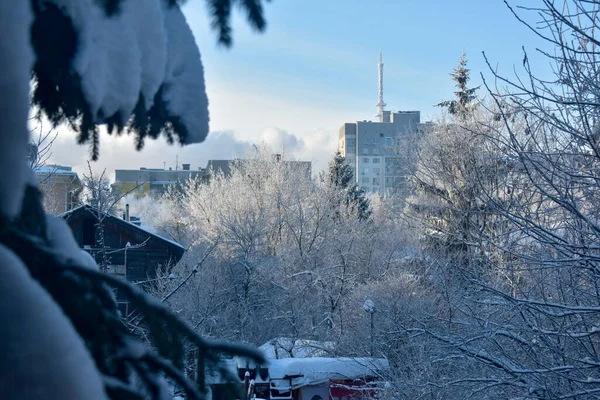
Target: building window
x: 365, y: 150
x: 376, y: 171
x: 376, y: 160
x: 375, y: 150
x: 364, y: 141
x: 389, y: 181
x: 365, y: 180
x: 389, y: 142
x: 376, y: 181
x: 365, y: 171
x: 350, y: 142
x: 365, y: 160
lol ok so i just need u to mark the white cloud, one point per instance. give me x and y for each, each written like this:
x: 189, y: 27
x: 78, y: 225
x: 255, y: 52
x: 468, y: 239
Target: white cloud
x: 118, y: 152
x: 239, y: 118
x: 317, y: 147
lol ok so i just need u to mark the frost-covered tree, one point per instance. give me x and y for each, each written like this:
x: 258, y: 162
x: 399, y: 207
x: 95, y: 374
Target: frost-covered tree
x: 530, y: 328
x: 463, y: 105
x: 165, y: 217
x: 98, y: 192
x: 457, y: 173
x: 128, y: 64
x: 277, y: 252
x: 557, y: 153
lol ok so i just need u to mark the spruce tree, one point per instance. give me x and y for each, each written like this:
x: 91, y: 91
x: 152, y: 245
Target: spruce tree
x: 41, y: 252
x: 58, y: 93
x: 463, y: 104
x: 342, y: 178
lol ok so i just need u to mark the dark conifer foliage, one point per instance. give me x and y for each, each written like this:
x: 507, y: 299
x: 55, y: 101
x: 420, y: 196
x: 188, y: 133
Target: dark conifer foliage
x: 86, y: 295
x: 220, y: 11
x: 341, y: 176
x: 57, y: 90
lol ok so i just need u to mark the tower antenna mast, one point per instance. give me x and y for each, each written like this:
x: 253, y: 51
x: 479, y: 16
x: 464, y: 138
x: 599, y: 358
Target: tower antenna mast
x: 380, y: 103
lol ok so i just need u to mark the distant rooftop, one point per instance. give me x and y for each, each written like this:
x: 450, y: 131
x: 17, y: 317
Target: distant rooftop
x: 54, y: 169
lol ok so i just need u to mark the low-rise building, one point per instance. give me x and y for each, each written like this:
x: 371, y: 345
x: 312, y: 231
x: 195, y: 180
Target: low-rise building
x: 126, y: 249
x: 152, y: 181
x: 301, y: 369
x: 155, y: 182
x: 60, y: 186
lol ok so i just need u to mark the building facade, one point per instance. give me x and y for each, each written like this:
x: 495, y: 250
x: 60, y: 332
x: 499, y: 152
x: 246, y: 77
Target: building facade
x: 154, y: 182
x: 60, y: 186
x: 382, y: 153
x: 150, y: 181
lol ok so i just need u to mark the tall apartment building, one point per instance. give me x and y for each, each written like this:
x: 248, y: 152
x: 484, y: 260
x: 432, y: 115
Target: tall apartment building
x: 382, y: 153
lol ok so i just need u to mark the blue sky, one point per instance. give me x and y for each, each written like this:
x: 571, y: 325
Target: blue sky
x: 323, y: 54
x: 315, y: 68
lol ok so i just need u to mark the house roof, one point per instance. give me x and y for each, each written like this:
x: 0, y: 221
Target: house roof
x: 56, y: 172
x: 312, y: 371
x: 129, y: 225
x: 299, y: 372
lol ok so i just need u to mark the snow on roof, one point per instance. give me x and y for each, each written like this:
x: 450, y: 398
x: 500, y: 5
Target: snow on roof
x: 306, y: 371
x: 55, y: 174
x: 120, y: 220
x: 54, y: 169
x: 311, y: 371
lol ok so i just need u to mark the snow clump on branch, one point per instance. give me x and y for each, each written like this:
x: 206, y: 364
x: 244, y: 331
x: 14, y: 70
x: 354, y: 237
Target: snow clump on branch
x: 139, y: 67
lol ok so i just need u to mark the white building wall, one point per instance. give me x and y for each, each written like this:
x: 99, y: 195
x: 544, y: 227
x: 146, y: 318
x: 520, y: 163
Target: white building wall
x: 378, y: 144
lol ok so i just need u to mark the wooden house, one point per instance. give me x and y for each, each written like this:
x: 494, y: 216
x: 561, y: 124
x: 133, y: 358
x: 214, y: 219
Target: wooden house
x: 126, y: 249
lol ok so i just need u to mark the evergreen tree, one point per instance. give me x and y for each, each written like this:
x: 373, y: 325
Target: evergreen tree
x: 62, y: 333
x: 463, y: 104
x: 342, y: 178
x: 60, y: 91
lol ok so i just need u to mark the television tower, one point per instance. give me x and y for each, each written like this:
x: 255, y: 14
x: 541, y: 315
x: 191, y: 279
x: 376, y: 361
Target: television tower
x: 380, y: 104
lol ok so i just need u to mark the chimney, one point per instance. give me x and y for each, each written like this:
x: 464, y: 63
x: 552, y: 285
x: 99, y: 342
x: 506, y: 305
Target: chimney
x: 186, y: 167
x: 127, y: 212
